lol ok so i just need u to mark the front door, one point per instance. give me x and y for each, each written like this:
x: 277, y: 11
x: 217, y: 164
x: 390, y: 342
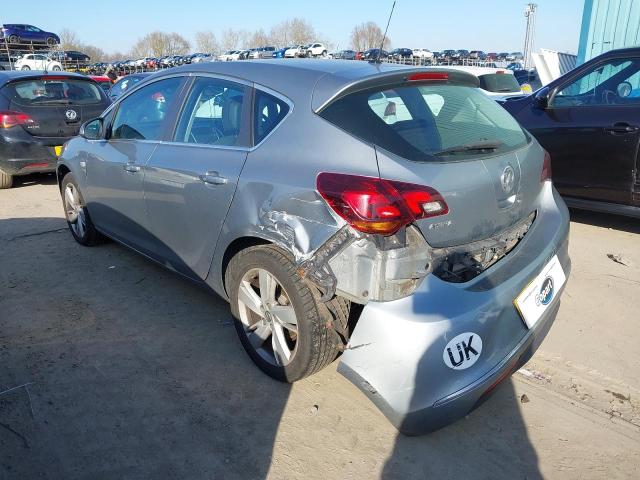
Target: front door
x: 116, y: 165
x: 190, y: 182
x: 591, y: 126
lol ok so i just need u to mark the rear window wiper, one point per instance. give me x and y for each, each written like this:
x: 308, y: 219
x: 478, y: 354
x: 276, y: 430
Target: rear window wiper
x: 479, y: 147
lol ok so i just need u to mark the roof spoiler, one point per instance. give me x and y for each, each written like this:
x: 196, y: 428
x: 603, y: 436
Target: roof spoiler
x: 422, y: 76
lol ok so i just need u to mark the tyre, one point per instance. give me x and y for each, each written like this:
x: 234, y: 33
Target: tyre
x: 25, y: 67
x: 51, y: 41
x: 56, y: 68
x: 6, y: 180
x: 14, y: 39
x: 288, y: 333
x: 324, y: 53
x: 76, y: 213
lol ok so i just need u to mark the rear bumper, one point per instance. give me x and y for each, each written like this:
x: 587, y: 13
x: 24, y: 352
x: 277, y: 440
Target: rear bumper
x: 21, y: 154
x: 396, y: 350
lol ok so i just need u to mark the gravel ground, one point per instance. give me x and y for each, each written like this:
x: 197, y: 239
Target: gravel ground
x: 112, y: 367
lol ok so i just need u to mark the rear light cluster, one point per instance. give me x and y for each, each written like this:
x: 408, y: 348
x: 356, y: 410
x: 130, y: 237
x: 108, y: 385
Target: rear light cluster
x: 415, y: 77
x: 379, y: 206
x: 546, y: 167
x: 10, y: 119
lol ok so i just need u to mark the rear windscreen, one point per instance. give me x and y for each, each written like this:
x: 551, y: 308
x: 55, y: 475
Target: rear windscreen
x: 429, y: 123
x: 499, y: 82
x: 66, y: 91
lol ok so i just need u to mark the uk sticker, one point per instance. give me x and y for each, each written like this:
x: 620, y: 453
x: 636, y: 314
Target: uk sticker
x: 534, y: 300
x: 462, y: 351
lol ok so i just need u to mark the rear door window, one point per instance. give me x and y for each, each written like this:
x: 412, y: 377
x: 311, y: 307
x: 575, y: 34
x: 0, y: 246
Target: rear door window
x: 143, y: 114
x: 62, y: 91
x: 428, y: 122
x: 213, y: 113
x: 269, y: 112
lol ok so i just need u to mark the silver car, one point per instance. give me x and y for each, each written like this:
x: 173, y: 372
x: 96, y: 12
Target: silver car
x: 394, y: 217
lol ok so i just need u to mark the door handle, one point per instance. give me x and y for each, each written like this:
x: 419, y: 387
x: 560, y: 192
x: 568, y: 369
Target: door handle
x: 131, y: 168
x: 213, y: 178
x: 622, y: 127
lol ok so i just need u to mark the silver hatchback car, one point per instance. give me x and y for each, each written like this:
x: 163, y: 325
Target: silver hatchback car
x: 392, y: 216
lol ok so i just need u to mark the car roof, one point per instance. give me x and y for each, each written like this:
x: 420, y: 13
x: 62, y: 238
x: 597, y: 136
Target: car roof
x: 10, y: 75
x: 300, y: 79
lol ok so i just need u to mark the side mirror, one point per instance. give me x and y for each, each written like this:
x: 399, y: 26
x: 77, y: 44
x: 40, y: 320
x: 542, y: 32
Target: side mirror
x: 541, y: 99
x: 92, y: 129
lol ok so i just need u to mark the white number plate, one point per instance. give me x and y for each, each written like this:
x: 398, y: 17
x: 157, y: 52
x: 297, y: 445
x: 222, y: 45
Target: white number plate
x: 534, y: 300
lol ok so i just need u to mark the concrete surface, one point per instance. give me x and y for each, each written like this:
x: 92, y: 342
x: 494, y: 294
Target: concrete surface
x: 124, y: 370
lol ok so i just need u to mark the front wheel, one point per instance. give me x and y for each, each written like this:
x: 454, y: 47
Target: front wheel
x: 56, y: 68
x: 288, y: 333
x: 76, y: 213
x: 51, y: 41
x: 14, y: 39
x: 25, y: 67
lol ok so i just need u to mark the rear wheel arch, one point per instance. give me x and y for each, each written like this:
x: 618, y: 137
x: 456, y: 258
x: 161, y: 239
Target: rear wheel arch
x: 235, y: 247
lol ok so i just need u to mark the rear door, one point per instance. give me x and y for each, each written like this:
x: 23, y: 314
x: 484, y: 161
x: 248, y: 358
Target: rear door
x: 190, y: 181
x: 591, y: 127
x: 116, y: 165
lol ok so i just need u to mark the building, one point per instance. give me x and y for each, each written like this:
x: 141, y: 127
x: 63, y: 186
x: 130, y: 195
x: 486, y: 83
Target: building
x: 607, y: 25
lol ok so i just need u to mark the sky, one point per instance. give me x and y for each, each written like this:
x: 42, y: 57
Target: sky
x: 489, y: 25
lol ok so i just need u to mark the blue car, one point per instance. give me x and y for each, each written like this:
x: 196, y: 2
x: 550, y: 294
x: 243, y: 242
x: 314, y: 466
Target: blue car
x: 23, y: 33
x: 280, y: 53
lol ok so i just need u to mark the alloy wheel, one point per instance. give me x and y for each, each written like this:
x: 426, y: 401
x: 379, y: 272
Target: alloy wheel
x: 75, y: 210
x: 268, y: 317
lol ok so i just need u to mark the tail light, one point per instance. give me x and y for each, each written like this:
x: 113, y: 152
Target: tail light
x: 546, y: 167
x: 379, y: 206
x: 10, y: 119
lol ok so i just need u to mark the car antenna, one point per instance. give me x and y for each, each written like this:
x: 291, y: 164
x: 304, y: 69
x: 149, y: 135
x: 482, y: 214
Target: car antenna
x: 384, y: 37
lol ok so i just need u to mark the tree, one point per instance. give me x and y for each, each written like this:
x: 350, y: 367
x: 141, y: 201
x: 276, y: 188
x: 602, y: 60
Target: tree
x: 233, y: 39
x: 68, y: 39
x: 159, y: 44
x: 258, y: 39
x: 206, y: 42
x: 368, y: 35
x: 295, y: 31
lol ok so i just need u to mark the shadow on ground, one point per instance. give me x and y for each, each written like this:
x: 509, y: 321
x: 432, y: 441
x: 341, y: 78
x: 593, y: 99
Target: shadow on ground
x: 34, y: 178
x: 606, y: 220
x: 491, y: 442
x: 132, y: 372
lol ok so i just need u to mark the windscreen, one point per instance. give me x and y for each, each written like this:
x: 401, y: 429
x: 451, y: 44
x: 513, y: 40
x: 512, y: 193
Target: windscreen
x: 63, y: 91
x: 499, y: 82
x: 428, y: 123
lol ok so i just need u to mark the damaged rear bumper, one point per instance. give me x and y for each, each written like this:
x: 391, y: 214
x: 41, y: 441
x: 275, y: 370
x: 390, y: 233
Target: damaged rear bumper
x: 396, y: 354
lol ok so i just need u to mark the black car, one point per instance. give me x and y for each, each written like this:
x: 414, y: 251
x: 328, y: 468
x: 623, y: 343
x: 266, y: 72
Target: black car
x: 374, y: 53
x: 589, y: 122
x: 75, y: 56
x: 401, y: 53
x: 126, y: 83
x: 39, y: 112
x: 447, y: 55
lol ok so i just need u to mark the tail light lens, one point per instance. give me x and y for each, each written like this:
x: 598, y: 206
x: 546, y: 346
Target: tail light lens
x: 10, y: 119
x: 379, y: 206
x: 546, y: 167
